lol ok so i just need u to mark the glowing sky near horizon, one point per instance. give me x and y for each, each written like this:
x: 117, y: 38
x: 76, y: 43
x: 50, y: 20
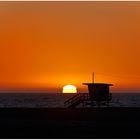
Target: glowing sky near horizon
x: 46, y: 45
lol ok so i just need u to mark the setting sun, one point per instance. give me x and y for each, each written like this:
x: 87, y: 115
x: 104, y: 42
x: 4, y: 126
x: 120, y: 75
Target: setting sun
x: 69, y: 89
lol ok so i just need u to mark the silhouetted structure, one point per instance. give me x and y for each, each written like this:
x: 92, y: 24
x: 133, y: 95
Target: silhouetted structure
x: 98, y: 95
x: 98, y: 91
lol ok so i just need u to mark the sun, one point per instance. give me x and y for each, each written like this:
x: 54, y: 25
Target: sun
x: 69, y: 89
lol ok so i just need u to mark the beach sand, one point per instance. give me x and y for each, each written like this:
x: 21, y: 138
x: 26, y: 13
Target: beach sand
x: 70, y: 123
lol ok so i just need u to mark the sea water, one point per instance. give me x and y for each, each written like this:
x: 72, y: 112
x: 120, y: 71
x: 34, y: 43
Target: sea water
x: 54, y: 100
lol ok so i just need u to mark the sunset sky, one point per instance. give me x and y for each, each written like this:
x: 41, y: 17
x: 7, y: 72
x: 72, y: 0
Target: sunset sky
x: 46, y: 45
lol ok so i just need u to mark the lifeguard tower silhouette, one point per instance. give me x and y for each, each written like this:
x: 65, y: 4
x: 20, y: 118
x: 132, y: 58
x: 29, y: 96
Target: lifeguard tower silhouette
x: 98, y: 95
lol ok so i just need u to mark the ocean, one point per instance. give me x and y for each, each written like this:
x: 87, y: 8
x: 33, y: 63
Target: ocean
x: 54, y: 100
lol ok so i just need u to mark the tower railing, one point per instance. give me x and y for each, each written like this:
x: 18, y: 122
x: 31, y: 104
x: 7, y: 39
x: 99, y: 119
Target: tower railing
x: 85, y: 98
x: 77, y: 98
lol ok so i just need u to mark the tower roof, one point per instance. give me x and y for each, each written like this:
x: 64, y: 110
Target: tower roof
x: 97, y: 84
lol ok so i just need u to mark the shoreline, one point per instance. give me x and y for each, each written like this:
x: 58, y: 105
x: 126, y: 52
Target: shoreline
x: 70, y: 123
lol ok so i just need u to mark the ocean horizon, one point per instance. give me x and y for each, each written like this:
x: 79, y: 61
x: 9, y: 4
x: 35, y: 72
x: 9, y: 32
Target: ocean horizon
x: 56, y: 100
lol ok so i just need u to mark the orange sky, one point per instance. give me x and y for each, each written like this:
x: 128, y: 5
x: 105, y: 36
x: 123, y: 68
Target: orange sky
x: 45, y: 45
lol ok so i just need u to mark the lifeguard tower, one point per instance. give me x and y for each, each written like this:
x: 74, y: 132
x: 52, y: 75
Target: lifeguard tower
x: 98, y: 95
